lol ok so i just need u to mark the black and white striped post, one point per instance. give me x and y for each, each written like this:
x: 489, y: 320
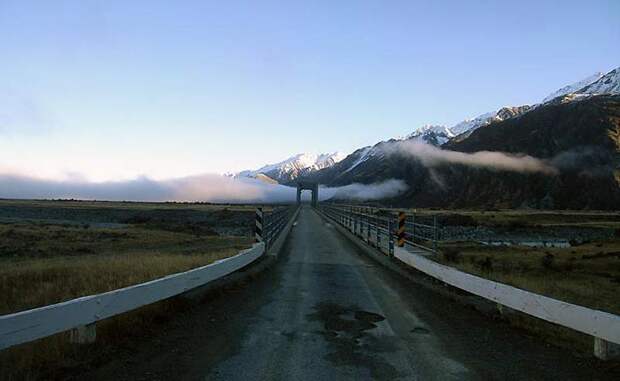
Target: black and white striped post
x: 401, y: 229
x: 258, y: 231
x: 390, y: 238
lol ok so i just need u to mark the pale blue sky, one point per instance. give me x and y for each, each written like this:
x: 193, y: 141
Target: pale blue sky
x: 116, y: 89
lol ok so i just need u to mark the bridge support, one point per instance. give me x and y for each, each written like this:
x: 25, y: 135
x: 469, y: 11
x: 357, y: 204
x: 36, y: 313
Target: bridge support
x: 313, y: 187
x: 84, y: 334
x: 606, y: 350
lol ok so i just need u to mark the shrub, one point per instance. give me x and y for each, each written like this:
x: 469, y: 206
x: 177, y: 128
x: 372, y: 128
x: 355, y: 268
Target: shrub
x: 452, y: 255
x: 486, y: 264
x: 524, y: 267
x: 547, y: 261
x: 457, y: 220
x: 516, y: 224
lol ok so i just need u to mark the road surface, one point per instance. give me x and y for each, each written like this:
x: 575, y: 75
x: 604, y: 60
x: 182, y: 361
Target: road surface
x: 327, y: 312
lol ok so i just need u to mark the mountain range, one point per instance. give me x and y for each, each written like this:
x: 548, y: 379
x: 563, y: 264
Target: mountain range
x: 597, y: 83
x: 293, y: 167
x: 568, y: 131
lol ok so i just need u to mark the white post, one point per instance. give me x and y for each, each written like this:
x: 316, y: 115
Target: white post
x: 605, y: 350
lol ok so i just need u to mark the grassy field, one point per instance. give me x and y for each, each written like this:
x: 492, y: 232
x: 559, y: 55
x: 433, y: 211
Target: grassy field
x: 45, y: 264
x: 46, y: 260
x: 588, y: 274
x: 524, y: 217
x: 52, y: 251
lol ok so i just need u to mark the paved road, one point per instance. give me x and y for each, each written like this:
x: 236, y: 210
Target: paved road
x: 327, y: 312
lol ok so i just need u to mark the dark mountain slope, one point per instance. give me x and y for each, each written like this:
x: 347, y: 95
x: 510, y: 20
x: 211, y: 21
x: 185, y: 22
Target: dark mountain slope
x: 572, y: 137
x: 549, y: 129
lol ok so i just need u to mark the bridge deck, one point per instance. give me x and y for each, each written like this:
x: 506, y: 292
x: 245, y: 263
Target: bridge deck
x: 327, y: 312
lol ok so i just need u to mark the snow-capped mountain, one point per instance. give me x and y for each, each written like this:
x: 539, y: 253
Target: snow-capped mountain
x: 439, y: 135
x: 306, y: 164
x: 573, y: 87
x: 606, y: 84
x: 435, y: 135
x: 597, y: 83
x: 547, y: 131
x: 293, y: 167
x: 469, y: 125
x: 429, y: 134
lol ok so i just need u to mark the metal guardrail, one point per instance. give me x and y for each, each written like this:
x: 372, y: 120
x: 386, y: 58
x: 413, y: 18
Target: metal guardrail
x: 270, y: 224
x: 382, y: 226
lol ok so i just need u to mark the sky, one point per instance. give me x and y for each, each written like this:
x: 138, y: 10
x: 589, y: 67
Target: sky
x: 114, y: 90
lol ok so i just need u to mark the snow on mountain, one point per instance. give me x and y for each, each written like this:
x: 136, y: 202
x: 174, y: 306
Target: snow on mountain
x: 293, y: 167
x: 469, y: 125
x: 429, y: 134
x: 597, y: 83
x: 363, y: 155
x: 472, y: 124
x: 573, y: 87
x: 435, y: 135
x: 438, y: 135
x: 327, y: 160
x: 606, y: 84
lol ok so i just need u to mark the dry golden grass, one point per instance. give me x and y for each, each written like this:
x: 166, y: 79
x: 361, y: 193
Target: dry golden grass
x: 32, y: 283
x: 54, y: 357
x: 614, y: 135
x: 42, y: 263
x: 587, y: 275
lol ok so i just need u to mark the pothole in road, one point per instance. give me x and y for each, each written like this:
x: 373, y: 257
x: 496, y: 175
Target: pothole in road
x: 347, y: 330
x: 345, y: 321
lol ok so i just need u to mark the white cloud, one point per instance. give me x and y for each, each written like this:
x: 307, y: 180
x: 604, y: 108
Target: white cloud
x: 431, y: 156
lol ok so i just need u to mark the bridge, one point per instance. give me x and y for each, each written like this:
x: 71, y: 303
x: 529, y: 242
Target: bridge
x: 332, y: 293
x: 312, y: 187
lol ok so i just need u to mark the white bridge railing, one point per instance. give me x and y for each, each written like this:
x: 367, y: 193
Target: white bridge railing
x: 604, y: 326
x: 82, y: 313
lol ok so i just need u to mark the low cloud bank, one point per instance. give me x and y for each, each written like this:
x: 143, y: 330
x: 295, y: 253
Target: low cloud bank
x: 431, y: 156
x: 362, y: 192
x: 207, y: 188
